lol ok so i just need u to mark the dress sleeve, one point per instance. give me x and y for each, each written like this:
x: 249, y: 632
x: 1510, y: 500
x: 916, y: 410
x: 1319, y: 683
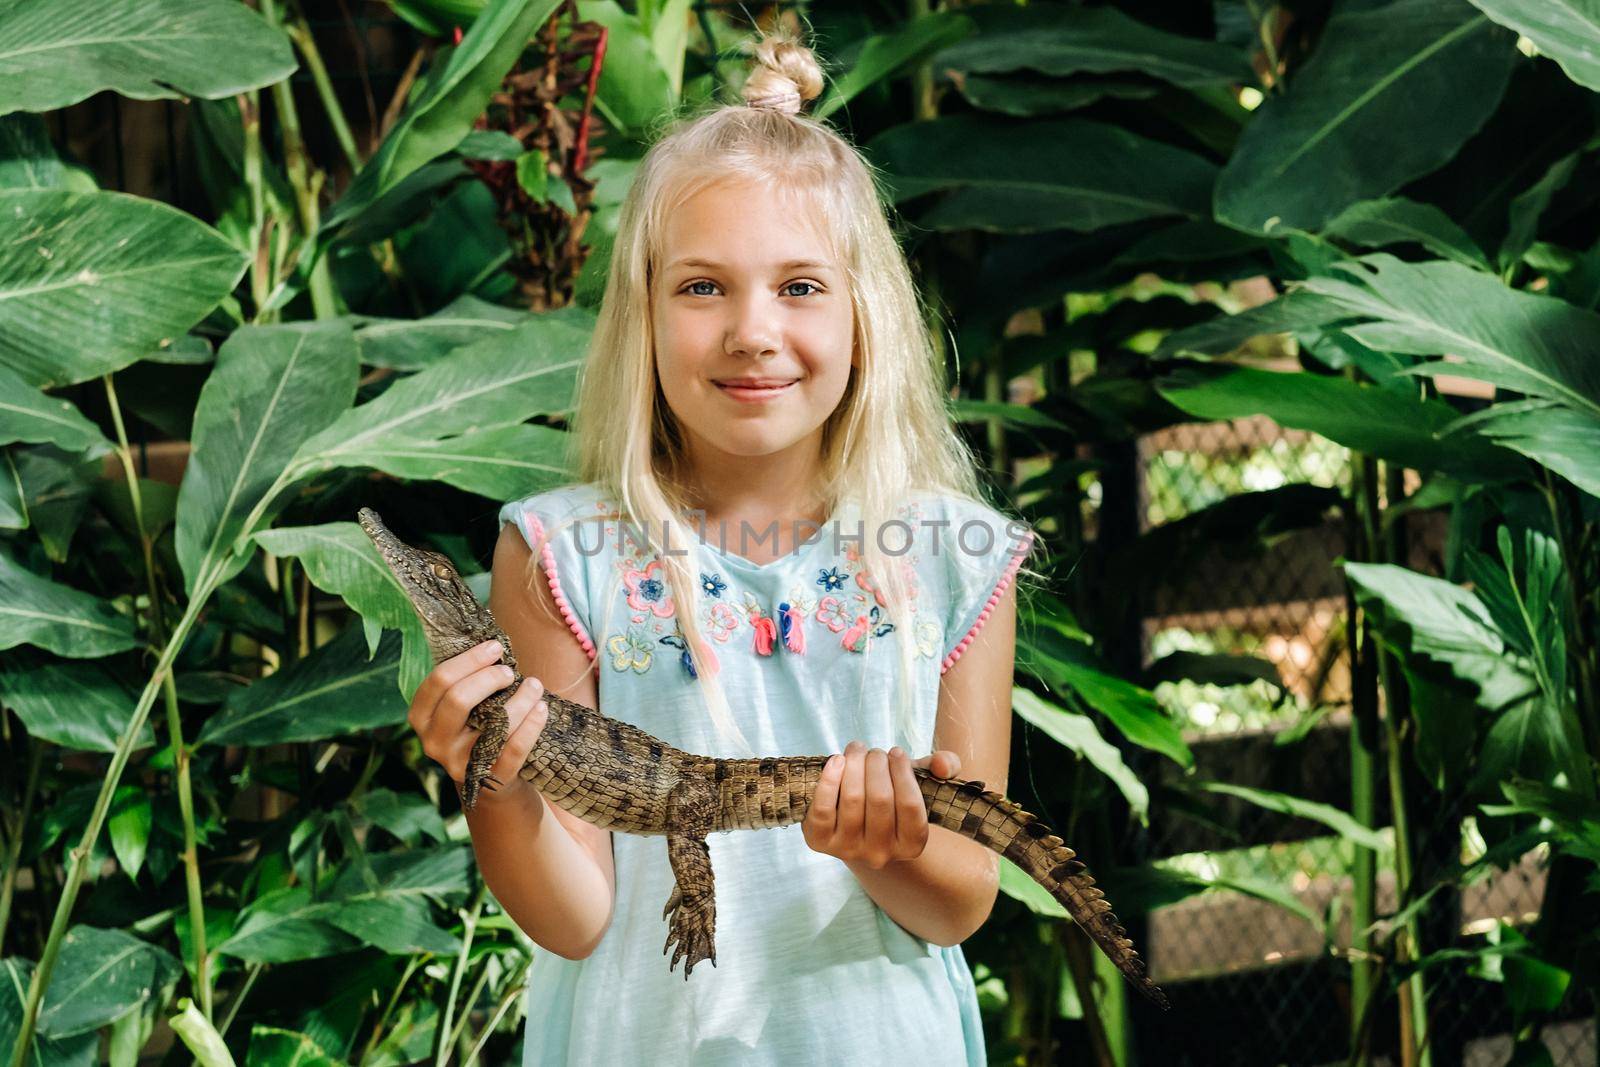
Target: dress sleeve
x: 549, y: 524
x: 982, y: 551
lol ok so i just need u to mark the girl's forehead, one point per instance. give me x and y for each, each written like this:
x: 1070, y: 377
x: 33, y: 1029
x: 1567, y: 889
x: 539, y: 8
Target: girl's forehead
x: 751, y: 221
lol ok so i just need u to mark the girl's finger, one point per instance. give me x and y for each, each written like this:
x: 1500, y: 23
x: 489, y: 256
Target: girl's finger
x: 534, y: 713
x: 822, y: 816
x: 877, y: 838
x: 425, y: 702
x: 852, y: 796
x: 910, y: 810
x: 941, y: 764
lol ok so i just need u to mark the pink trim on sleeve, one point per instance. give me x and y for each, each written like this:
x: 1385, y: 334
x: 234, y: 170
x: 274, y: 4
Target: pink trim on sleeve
x: 988, y: 606
x: 547, y: 559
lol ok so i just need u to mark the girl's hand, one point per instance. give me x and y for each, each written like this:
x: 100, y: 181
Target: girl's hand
x: 868, y: 808
x: 451, y: 690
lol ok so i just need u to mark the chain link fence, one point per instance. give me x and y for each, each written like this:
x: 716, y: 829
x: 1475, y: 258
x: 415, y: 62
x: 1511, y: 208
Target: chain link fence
x: 1258, y: 981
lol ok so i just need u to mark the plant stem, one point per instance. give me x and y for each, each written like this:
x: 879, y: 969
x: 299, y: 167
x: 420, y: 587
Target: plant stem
x: 80, y: 855
x: 8, y: 880
x: 472, y: 998
x: 300, y: 33
x: 182, y: 757
x: 514, y: 988
x: 470, y: 919
x: 388, y: 1009
x: 250, y: 117
x: 306, y: 179
x: 238, y: 998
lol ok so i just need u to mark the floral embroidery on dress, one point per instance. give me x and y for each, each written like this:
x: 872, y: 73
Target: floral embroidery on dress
x: 632, y: 650
x: 832, y: 613
x: 712, y: 584
x: 648, y: 590
x: 677, y: 640
x: 830, y: 578
x: 865, y: 627
x: 927, y: 638
x: 719, y: 622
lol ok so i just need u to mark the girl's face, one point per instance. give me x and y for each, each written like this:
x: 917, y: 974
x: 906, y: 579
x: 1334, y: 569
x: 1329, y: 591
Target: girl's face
x: 753, y: 322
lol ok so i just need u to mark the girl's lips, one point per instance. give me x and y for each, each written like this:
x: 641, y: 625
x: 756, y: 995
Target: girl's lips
x: 754, y: 394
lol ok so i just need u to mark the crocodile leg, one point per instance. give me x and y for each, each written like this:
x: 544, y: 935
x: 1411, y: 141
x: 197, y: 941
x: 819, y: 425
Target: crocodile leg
x: 691, y: 911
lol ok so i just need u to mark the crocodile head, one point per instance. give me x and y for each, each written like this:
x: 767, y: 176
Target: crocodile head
x: 452, y: 619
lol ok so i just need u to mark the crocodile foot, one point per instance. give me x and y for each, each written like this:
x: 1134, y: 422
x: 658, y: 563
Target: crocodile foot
x: 692, y: 923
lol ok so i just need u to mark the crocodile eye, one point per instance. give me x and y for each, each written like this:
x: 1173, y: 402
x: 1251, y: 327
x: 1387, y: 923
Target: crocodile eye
x: 440, y: 570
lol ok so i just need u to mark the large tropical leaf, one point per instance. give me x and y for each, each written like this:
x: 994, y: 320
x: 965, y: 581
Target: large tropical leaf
x: 76, y: 704
x: 28, y: 160
x: 1396, y: 220
x: 499, y: 381
x: 1568, y: 31
x: 1060, y: 39
x: 1078, y: 733
x: 341, y: 560
x: 91, y: 282
x: 57, y: 52
x: 1071, y: 666
x: 1019, y: 177
x: 1341, y: 822
x: 334, y: 691
x: 884, y: 54
x: 1566, y: 441
x: 283, y: 925
x: 99, y: 975
x: 27, y: 414
x: 412, y: 344
x: 273, y: 387
x: 1363, y: 117
x: 1295, y: 310
x: 1383, y: 422
x: 58, y: 618
x: 16, y: 973
x: 501, y: 462
x: 454, y: 97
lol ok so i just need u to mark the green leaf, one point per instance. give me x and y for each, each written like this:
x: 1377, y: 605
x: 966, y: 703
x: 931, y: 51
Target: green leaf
x: 1078, y: 733
x: 58, y: 618
x: 1026, y: 96
x: 1528, y: 205
x: 15, y: 974
x: 1558, y: 437
x: 883, y: 55
x: 27, y: 414
x: 499, y: 381
x: 341, y: 560
x: 1016, y: 416
x: 202, y: 1039
x: 405, y: 815
x: 1382, y: 422
x: 1338, y: 821
x: 443, y: 114
x: 500, y: 462
x: 54, y: 53
x: 1066, y: 664
x: 285, y: 925
x: 1568, y: 31
x: 412, y: 344
x: 129, y: 826
x: 1019, y: 887
x: 1021, y: 177
x: 1295, y: 310
x: 333, y: 692
x: 1213, y: 669
x: 634, y: 89
x: 77, y: 704
x: 1396, y: 220
x: 273, y: 387
x: 91, y: 282
x: 1532, y: 343
x: 1058, y: 39
x: 272, y: 1046
x: 99, y: 976
x: 397, y: 925
x: 1360, y: 97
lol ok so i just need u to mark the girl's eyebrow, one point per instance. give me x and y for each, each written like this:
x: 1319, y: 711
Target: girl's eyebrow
x: 793, y: 264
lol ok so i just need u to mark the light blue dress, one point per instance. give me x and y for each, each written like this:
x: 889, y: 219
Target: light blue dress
x: 809, y: 969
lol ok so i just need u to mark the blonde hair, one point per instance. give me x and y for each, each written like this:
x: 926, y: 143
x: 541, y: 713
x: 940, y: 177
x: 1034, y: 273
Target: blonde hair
x: 889, y: 438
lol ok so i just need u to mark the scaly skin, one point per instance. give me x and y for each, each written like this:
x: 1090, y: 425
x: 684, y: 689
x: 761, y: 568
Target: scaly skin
x: 618, y: 777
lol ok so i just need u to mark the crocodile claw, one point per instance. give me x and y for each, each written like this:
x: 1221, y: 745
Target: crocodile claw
x: 692, y: 923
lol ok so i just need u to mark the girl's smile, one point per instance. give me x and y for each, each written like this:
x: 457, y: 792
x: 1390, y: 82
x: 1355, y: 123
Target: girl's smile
x: 755, y: 390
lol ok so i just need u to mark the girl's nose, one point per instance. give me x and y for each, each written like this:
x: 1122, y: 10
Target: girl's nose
x: 753, y: 331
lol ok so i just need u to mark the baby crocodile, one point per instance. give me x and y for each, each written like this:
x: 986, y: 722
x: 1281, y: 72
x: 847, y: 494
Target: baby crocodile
x: 618, y: 777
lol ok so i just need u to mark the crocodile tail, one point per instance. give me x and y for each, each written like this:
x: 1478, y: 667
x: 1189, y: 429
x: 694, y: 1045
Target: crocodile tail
x: 997, y: 822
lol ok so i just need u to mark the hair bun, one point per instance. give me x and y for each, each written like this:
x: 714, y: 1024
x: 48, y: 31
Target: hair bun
x: 786, y: 76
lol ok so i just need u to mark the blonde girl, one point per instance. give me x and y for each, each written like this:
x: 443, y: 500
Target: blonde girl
x: 776, y: 545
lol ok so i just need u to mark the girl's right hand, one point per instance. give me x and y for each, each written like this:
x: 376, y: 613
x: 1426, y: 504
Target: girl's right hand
x: 439, y: 710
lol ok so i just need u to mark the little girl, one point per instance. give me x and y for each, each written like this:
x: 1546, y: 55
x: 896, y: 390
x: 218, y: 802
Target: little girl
x: 776, y: 547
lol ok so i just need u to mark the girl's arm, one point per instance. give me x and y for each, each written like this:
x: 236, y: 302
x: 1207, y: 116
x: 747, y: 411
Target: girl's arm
x: 946, y: 892
x: 551, y: 871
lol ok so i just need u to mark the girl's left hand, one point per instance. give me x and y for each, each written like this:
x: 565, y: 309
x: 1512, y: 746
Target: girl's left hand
x: 868, y: 808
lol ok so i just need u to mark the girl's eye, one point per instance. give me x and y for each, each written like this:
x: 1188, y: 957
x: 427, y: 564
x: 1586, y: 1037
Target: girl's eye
x: 787, y: 289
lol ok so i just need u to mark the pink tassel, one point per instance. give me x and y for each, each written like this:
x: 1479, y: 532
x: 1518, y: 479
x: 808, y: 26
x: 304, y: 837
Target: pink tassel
x: 794, y: 636
x: 853, y: 635
x: 766, y: 631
